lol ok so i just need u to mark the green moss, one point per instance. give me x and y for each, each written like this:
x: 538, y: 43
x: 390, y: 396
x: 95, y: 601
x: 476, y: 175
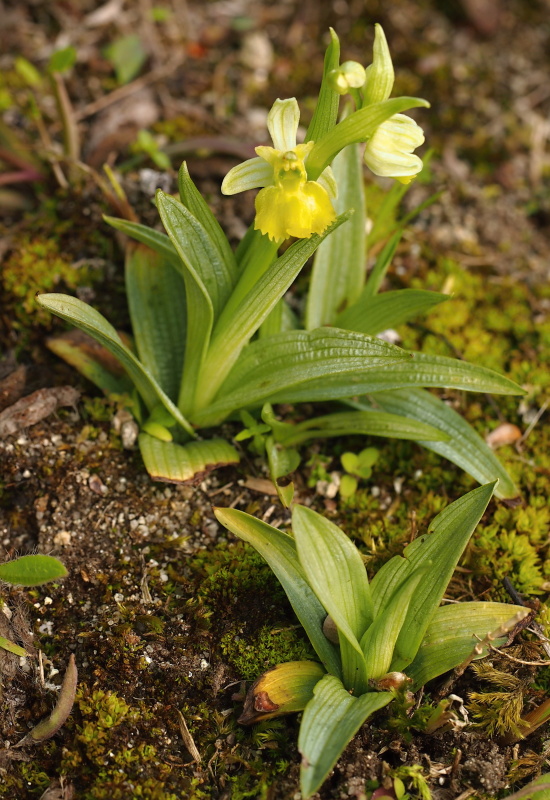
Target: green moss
x: 252, y: 656
x: 38, y: 265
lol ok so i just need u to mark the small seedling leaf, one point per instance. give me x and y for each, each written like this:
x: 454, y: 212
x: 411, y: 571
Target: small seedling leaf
x: 32, y: 570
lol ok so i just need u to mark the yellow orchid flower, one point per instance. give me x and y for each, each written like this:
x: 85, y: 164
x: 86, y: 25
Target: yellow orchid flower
x: 389, y: 151
x: 288, y: 203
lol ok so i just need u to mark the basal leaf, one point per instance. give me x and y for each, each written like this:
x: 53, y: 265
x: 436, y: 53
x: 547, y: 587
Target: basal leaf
x: 351, y: 423
x: 237, y: 325
x: 279, y: 550
x: 464, y: 447
x: 289, y: 363
x: 199, y: 208
x: 11, y: 647
x: 330, y: 721
x: 372, y: 315
x: 92, y: 360
x: 420, y: 369
x: 157, y: 241
x: 439, y: 550
x: 453, y: 633
x: 176, y: 463
x: 87, y: 319
x: 379, y: 639
x: 156, y: 299
x: 197, y: 250
x: 335, y: 571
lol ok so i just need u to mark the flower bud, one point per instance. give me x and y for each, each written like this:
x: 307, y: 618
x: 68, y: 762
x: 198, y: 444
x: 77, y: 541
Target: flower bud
x: 349, y: 75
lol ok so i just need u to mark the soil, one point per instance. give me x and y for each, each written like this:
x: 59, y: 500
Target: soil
x: 167, y: 615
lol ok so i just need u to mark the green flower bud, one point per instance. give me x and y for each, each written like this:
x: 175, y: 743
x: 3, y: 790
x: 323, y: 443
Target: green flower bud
x: 349, y: 75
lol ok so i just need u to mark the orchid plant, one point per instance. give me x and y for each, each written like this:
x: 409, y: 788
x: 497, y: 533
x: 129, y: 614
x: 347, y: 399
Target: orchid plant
x: 214, y: 336
x: 372, y: 639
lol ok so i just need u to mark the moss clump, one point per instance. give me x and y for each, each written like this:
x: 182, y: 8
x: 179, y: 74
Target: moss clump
x: 252, y: 656
x: 37, y: 264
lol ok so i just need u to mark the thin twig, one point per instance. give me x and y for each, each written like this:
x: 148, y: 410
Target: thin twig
x: 130, y: 88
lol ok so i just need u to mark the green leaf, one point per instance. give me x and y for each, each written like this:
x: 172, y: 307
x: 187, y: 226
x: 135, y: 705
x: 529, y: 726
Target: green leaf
x: 5, y: 644
x: 60, y: 712
x: 127, y: 56
x: 339, y: 266
x: 372, y: 315
x: 439, y: 550
x: 329, y: 723
x: 351, y: 423
x: 83, y: 316
x: 285, y: 689
x: 358, y: 127
x: 156, y: 298
x: 236, y: 326
x: 197, y: 250
x: 32, y: 570
x: 464, y: 446
x: 175, y: 463
x: 453, y: 633
x: 379, y: 640
x: 92, y: 360
x: 419, y: 369
x: 157, y: 241
x: 279, y: 550
x: 539, y: 789
x: 62, y: 60
x: 326, y: 110
x: 199, y: 208
x: 304, y: 364
x: 200, y: 307
x: 381, y: 266
x: 335, y: 571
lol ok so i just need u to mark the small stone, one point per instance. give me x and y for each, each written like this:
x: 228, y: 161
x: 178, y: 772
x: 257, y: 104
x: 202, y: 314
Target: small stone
x: 62, y: 539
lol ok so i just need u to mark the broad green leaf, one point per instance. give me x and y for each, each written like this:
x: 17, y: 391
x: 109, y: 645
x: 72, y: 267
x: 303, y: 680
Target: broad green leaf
x: 83, y: 316
x: 329, y: 723
x: 92, y: 360
x: 32, y: 570
x: 419, y: 369
x: 157, y: 241
x: 156, y: 298
x: 380, y: 268
x: 285, y: 689
x: 288, y: 364
x: 326, y: 111
x: 453, y: 633
x: 350, y: 423
x: 5, y: 644
x: 279, y: 550
x: 197, y: 250
x: 233, y: 331
x: 335, y: 571
x: 339, y: 266
x: 62, y: 60
x: 176, y: 463
x: 379, y: 639
x: 372, y: 315
x: 464, y: 447
x: 200, y: 307
x: 358, y: 127
x: 197, y: 205
x: 439, y: 550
